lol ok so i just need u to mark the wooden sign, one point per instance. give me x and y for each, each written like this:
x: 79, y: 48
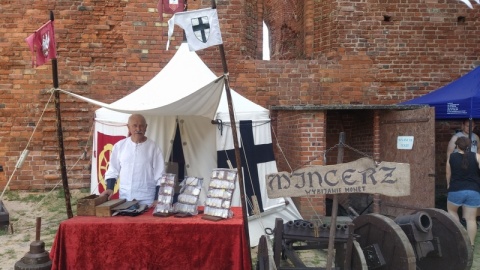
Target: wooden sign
x: 360, y: 176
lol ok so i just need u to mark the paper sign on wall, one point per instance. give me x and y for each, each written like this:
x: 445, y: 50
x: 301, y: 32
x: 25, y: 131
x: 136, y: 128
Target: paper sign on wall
x: 405, y: 142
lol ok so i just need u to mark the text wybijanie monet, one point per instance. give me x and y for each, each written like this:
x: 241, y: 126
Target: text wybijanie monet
x: 360, y: 176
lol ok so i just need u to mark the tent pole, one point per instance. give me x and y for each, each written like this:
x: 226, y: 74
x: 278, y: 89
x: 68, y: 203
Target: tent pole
x: 470, y: 128
x: 61, y: 152
x: 235, y: 143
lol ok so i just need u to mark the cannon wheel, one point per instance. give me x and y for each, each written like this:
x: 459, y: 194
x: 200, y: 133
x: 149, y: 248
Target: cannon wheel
x: 262, y: 255
x: 358, y: 261
x: 392, y: 242
x: 456, y: 252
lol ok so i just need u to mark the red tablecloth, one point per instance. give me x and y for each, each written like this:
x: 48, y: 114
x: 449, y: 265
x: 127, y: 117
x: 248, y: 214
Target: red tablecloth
x: 150, y: 242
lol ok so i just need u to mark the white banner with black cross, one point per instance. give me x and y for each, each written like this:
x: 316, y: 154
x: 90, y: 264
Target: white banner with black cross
x: 202, y: 28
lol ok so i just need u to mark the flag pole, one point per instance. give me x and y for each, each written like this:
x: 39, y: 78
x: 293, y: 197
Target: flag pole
x: 235, y: 143
x: 61, y: 152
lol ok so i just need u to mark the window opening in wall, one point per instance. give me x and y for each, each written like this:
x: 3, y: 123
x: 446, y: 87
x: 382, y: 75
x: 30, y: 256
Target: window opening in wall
x: 266, y: 42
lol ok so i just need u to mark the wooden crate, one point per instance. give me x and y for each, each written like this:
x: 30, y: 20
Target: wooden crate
x: 86, y: 206
x: 105, y: 209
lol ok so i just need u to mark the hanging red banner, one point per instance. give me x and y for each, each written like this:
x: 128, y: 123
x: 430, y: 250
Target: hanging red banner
x: 104, y: 149
x: 170, y: 7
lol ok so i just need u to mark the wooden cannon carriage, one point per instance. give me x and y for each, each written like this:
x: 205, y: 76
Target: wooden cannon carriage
x: 426, y: 239
x: 422, y: 239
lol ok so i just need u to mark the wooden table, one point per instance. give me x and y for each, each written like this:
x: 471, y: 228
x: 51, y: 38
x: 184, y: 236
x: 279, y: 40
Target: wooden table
x: 150, y: 242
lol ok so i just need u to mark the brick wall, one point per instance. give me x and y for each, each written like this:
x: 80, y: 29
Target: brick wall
x: 300, y: 137
x: 324, y: 52
x: 286, y: 22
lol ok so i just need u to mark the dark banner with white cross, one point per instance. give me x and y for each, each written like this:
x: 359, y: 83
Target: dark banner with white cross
x: 251, y: 156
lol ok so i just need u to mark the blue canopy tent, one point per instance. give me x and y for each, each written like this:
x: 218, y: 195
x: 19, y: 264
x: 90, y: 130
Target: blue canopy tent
x: 459, y: 99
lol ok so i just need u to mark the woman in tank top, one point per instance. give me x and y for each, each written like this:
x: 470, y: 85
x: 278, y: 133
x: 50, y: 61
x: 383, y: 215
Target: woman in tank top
x: 463, y: 183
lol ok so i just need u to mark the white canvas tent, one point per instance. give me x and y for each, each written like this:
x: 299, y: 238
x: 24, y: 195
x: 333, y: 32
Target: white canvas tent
x: 187, y: 92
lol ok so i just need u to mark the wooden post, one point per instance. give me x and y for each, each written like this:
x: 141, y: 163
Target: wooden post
x: 38, y: 228
x: 61, y: 151
x: 238, y: 158
x: 376, y: 155
x: 333, y: 218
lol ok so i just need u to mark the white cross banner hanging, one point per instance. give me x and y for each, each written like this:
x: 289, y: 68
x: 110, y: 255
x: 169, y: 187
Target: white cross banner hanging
x: 201, y: 27
x: 360, y: 176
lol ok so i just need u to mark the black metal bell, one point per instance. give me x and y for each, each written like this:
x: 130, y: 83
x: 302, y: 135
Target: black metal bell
x: 37, y: 258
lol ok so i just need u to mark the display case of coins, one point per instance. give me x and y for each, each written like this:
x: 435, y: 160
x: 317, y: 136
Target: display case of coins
x: 220, y: 193
x: 188, y: 197
x: 166, y: 190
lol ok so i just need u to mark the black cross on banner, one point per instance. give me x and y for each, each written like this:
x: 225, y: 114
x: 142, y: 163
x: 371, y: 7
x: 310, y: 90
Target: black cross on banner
x: 201, y: 28
x: 255, y: 154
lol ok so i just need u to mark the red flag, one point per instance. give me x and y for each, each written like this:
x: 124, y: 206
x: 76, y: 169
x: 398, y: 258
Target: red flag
x: 170, y: 7
x: 104, y: 149
x: 42, y: 44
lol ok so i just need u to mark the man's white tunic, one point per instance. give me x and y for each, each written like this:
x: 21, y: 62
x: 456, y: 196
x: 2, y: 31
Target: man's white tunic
x: 138, y: 167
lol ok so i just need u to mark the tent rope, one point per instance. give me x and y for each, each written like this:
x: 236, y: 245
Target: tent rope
x: 82, y: 156
x: 257, y: 125
x: 51, y: 91
x: 111, y: 124
x: 60, y: 181
x: 29, y: 141
x: 256, y: 214
x: 88, y: 145
x: 244, y: 154
x: 248, y: 200
x: 36, y: 206
x: 322, y: 154
x: 290, y: 167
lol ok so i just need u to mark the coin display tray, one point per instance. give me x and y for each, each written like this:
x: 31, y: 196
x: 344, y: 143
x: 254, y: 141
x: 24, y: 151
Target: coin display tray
x: 165, y: 194
x: 189, y: 194
x: 220, y: 193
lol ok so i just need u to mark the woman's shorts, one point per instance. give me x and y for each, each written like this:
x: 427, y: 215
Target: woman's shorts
x: 469, y: 198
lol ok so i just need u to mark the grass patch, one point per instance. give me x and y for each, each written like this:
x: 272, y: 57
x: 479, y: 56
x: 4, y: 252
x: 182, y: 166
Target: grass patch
x: 51, y: 231
x: 57, y: 208
x: 33, y: 198
x: 10, y: 253
x: 12, y: 195
x: 22, y: 213
x: 26, y: 238
x: 60, y: 194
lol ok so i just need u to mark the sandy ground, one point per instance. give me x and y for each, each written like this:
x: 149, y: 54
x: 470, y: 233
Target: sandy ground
x: 24, y: 208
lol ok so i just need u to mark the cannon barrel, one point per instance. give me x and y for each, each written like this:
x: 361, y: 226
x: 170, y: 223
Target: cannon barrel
x: 420, y: 219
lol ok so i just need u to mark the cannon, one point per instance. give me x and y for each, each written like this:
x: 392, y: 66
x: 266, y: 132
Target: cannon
x: 423, y: 240
x: 418, y: 229
x: 296, y: 235
x: 426, y: 239
x: 455, y: 250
